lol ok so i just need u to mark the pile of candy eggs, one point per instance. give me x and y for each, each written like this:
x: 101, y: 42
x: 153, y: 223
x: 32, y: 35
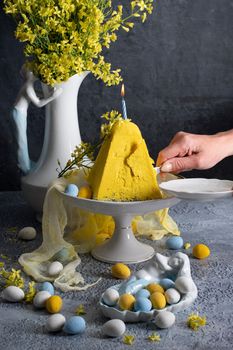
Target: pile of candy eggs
x: 142, y: 301
x: 46, y: 299
x: 149, y: 297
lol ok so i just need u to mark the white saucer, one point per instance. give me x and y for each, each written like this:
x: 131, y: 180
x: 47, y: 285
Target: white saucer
x: 198, y: 189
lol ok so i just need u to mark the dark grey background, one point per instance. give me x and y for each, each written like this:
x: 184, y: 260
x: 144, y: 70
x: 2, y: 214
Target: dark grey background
x: 178, y: 72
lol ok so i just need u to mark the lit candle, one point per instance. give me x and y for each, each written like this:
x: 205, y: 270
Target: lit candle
x: 124, y: 110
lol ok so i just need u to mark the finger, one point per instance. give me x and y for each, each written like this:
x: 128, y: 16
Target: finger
x: 171, y: 151
x: 177, y: 164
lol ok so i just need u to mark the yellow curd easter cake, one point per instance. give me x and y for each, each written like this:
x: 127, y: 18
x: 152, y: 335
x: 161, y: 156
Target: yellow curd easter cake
x: 123, y: 169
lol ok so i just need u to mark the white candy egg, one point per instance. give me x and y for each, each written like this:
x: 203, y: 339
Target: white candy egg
x: 114, y: 328
x: 142, y: 274
x: 110, y: 297
x: 13, y: 294
x: 165, y: 319
x: 184, y: 284
x: 40, y: 299
x: 172, y: 296
x: 55, y: 268
x: 55, y: 323
x: 27, y: 233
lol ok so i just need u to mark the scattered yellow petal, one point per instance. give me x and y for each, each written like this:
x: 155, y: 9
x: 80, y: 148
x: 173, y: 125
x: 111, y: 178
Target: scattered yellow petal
x: 80, y: 310
x: 2, y: 263
x: 154, y: 337
x: 12, y: 278
x: 12, y: 229
x: 195, y: 321
x: 128, y: 339
x: 187, y: 245
x: 3, y: 256
x: 31, y: 292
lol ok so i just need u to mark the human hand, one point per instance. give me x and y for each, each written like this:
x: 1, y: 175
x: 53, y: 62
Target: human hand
x: 190, y: 151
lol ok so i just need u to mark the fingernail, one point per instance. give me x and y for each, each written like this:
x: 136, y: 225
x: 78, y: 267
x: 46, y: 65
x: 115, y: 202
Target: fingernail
x: 157, y: 169
x: 167, y: 167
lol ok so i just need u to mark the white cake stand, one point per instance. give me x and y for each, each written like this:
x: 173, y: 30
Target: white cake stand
x: 122, y: 246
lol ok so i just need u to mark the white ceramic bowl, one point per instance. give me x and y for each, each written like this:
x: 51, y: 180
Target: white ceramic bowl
x: 156, y: 269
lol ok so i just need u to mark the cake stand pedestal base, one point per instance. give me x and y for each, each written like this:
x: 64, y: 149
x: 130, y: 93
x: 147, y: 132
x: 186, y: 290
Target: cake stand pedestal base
x: 123, y: 246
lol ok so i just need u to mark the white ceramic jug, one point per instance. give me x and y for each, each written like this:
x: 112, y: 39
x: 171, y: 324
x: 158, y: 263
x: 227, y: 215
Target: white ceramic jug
x: 61, y: 136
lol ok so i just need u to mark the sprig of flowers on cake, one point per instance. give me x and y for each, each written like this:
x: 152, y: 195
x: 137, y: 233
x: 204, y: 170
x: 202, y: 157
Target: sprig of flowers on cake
x: 65, y: 37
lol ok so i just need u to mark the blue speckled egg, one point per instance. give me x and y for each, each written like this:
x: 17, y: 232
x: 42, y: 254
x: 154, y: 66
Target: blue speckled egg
x: 62, y: 255
x: 142, y: 293
x: 174, y: 243
x: 72, y: 190
x: 172, y: 277
x: 166, y: 283
x: 75, y: 325
x: 142, y: 304
x: 46, y: 286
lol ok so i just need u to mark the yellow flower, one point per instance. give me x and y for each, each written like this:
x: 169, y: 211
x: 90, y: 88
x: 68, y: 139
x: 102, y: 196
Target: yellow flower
x: 195, y: 321
x: 111, y: 117
x: 128, y: 339
x: 31, y: 292
x: 12, y: 278
x: 3, y: 256
x: 80, y: 310
x: 187, y: 245
x: 154, y: 337
x: 64, y: 37
x: 144, y: 16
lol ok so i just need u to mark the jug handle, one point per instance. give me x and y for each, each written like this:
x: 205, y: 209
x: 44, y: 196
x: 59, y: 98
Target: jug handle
x: 20, y: 133
x: 20, y: 122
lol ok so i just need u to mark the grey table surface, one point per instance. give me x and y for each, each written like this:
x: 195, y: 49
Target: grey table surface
x: 21, y: 327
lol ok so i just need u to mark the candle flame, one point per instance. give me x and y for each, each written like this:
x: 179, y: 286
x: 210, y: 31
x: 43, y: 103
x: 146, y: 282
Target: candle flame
x: 122, y: 90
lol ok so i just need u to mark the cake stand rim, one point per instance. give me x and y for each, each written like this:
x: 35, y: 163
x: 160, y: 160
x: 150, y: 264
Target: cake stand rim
x: 132, y: 207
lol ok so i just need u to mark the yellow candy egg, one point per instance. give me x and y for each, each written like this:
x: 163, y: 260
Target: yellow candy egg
x: 158, y: 300
x: 85, y: 192
x: 201, y: 251
x: 126, y: 302
x: 53, y: 304
x: 121, y: 271
x: 154, y: 287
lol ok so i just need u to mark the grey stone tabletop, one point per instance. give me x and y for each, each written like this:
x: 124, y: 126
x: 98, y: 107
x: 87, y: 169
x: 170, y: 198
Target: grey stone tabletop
x: 21, y: 327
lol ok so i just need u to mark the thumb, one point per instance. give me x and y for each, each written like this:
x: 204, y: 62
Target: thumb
x: 179, y: 164
x: 171, y: 151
